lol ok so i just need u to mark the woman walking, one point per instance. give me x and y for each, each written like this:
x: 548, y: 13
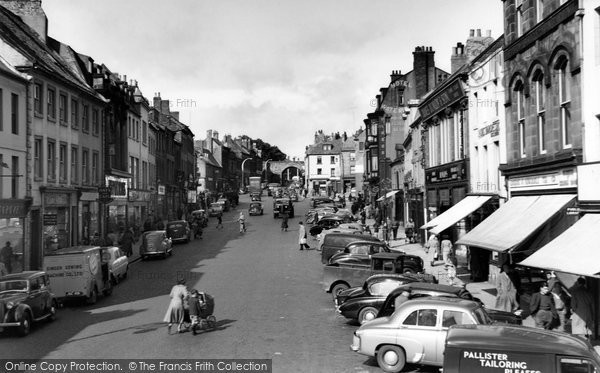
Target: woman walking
x: 176, y: 311
x: 302, y: 237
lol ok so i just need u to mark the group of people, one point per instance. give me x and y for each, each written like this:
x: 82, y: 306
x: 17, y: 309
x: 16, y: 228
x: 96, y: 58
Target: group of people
x: 443, y: 250
x: 182, y: 300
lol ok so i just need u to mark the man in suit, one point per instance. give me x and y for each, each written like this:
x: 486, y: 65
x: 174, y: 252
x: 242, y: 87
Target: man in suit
x: 542, y: 308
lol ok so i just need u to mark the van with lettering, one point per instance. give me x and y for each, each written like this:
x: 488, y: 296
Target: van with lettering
x: 78, y: 272
x: 516, y: 349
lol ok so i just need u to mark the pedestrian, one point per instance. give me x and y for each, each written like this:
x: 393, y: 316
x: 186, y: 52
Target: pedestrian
x: 446, y: 246
x: 542, y: 308
x: 506, y: 298
x: 431, y: 248
x: 403, y: 297
x: 195, y: 309
x: 515, y: 278
x: 176, y: 311
x: 451, y: 268
x: 6, y: 255
x: 220, y: 220
x: 302, y: 237
x: 409, y: 229
x: 126, y: 242
x: 363, y: 216
x: 242, y: 220
x: 284, y: 222
x: 582, y: 307
x: 561, y: 302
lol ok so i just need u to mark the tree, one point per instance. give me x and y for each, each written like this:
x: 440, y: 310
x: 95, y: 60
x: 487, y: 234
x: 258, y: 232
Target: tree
x: 269, y: 151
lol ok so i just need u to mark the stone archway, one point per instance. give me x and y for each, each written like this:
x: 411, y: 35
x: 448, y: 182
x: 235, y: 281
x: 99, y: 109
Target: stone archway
x: 283, y: 171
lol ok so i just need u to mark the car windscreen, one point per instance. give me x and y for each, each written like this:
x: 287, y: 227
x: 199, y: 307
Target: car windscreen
x: 176, y: 225
x: 13, y: 285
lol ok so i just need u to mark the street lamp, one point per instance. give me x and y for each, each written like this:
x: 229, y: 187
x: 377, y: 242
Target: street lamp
x: 244, y: 161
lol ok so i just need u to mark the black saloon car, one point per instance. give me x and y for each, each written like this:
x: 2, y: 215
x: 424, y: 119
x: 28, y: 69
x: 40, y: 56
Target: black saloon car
x: 25, y: 298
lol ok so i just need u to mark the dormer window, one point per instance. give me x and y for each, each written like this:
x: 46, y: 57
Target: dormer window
x: 327, y: 147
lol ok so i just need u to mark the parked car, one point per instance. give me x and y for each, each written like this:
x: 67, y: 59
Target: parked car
x: 25, y: 298
x: 179, y: 231
x: 118, y: 263
x: 363, y: 303
x: 335, y: 242
x: 339, y: 277
x: 200, y: 215
x: 281, y: 206
x: 215, y: 209
x: 416, y: 332
x: 320, y: 200
x: 530, y: 349
x: 326, y: 222
x: 78, y: 272
x: 420, y: 290
x: 155, y: 243
x: 256, y: 208
x: 255, y: 197
x: 359, y: 252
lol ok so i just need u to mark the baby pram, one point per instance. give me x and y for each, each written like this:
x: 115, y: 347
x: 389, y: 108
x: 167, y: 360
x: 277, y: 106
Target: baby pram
x: 206, y: 318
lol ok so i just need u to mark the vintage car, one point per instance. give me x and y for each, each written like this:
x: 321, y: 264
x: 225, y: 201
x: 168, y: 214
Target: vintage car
x: 321, y: 200
x: 271, y: 187
x: 255, y: 197
x: 420, y: 290
x: 215, y: 209
x: 363, y: 303
x: 200, y: 215
x: 359, y: 252
x: 416, y: 332
x: 155, y: 243
x: 118, y: 263
x: 255, y: 208
x: 329, y: 222
x: 281, y: 206
x: 335, y: 242
x: 25, y: 298
x: 179, y: 231
x: 468, y: 348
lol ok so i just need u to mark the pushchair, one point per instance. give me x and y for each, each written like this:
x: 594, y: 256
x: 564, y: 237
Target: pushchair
x: 206, y: 319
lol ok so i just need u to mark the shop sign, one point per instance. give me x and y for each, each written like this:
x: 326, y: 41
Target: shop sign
x: 493, y: 130
x: 161, y: 190
x: 442, y: 100
x: 50, y: 219
x: 191, y: 196
x: 139, y: 195
x: 89, y: 196
x: 56, y: 199
x: 118, y: 185
x: 104, y: 194
x: 566, y: 178
x: 453, y: 172
x: 13, y: 208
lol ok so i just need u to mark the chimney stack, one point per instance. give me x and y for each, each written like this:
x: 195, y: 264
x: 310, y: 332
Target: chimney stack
x: 396, y: 74
x: 31, y: 13
x: 458, y: 58
x: 424, y: 69
x: 156, y: 101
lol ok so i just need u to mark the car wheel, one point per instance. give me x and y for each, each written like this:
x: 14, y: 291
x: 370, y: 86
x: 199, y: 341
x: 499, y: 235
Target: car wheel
x: 93, y: 298
x: 52, y: 311
x: 391, y: 358
x: 409, y: 271
x: 367, y: 314
x: 337, y: 289
x: 25, y: 324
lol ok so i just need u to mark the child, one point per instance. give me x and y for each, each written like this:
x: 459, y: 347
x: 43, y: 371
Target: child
x: 194, y: 305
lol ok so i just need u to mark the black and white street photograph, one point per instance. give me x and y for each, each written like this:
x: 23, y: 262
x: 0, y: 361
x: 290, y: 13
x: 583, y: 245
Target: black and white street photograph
x: 315, y: 186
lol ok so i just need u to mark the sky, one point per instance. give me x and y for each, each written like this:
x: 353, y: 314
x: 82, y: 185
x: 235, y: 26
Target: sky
x: 278, y: 70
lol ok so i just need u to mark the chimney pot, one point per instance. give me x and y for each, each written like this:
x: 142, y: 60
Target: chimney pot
x: 478, y: 32
x: 489, y: 33
x: 471, y: 33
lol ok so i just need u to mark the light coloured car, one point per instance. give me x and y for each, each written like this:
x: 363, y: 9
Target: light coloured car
x: 215, y: 209
x: 118, y: 263
x: 416, y: 332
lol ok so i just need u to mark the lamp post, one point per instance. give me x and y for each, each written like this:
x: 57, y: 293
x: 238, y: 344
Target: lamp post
x: 244, y: 161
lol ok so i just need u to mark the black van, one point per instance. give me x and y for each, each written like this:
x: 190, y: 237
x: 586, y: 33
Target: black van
x: 334, y: 243
x: 504, y: 348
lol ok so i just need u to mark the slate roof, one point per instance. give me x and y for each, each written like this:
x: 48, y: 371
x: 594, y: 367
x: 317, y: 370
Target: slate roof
x: 317, y: 149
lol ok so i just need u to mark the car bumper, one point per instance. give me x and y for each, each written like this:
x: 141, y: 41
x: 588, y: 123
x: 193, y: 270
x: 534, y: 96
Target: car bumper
x: 355, y: 346
x: 9, y: 324
x: 179, y: 239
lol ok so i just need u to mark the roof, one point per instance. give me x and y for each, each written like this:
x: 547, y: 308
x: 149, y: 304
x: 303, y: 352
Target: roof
x: 10, y: 71
x: 517, y: 338
x: 317, y: 149
x: 73, y: 250
x: 22, y: 275
x: 429, y: 287
x: 41, y: 57
x: 358, y: 237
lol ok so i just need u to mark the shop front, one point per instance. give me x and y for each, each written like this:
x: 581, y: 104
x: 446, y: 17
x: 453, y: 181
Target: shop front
x: 60, y: 218
x: 90, y: 215
x: 117, y: 209
x: 138, y: 208
x: 13, y: 215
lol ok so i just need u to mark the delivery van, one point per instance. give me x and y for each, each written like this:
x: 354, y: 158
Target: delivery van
x: 78, y: 272
x: 516, y: 349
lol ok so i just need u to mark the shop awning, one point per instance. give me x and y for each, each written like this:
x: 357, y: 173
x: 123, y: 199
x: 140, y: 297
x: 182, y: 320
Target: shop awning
x: 574, y: 251
x: 463, y: 208
x: 515, y: 221
x: 387, y: 195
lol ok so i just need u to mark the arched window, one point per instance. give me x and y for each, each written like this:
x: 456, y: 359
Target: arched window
x: 539, y: 97
x: 519, y: 99
x: 564, y: 99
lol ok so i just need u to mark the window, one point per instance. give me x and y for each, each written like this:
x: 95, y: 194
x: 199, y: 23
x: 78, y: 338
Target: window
x: 520, y: 103
x: 450, y: 318
x: 519, y: 20
x: 62, y: 163
x: 74, y: 165
x: 144, y: 133
x: 14, y: 180
x: 332, y: 159
x: 388, y: 126
x: 421, y: 318
x: 85, y: 118
x: 14, y: 113
x: 539, y: 95
x: 333, y: 172
x: 85, y: 154
x: 51, y: 104
x: 51, y: 154
x: 352, y: 169
x: 144, y: 175
x: 137, y: 130
x: 95, y: 122
x: 37, y: 159
x: 319, y: 171
x: 37, y: 99
x: 319, y: 160
x: 564, y: 100
x: 74, y: 114
x: 539, y: 10
x: 95, y: 165
x: 62, y: 108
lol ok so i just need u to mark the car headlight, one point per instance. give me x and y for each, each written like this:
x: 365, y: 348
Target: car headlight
x: 10, y: 305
